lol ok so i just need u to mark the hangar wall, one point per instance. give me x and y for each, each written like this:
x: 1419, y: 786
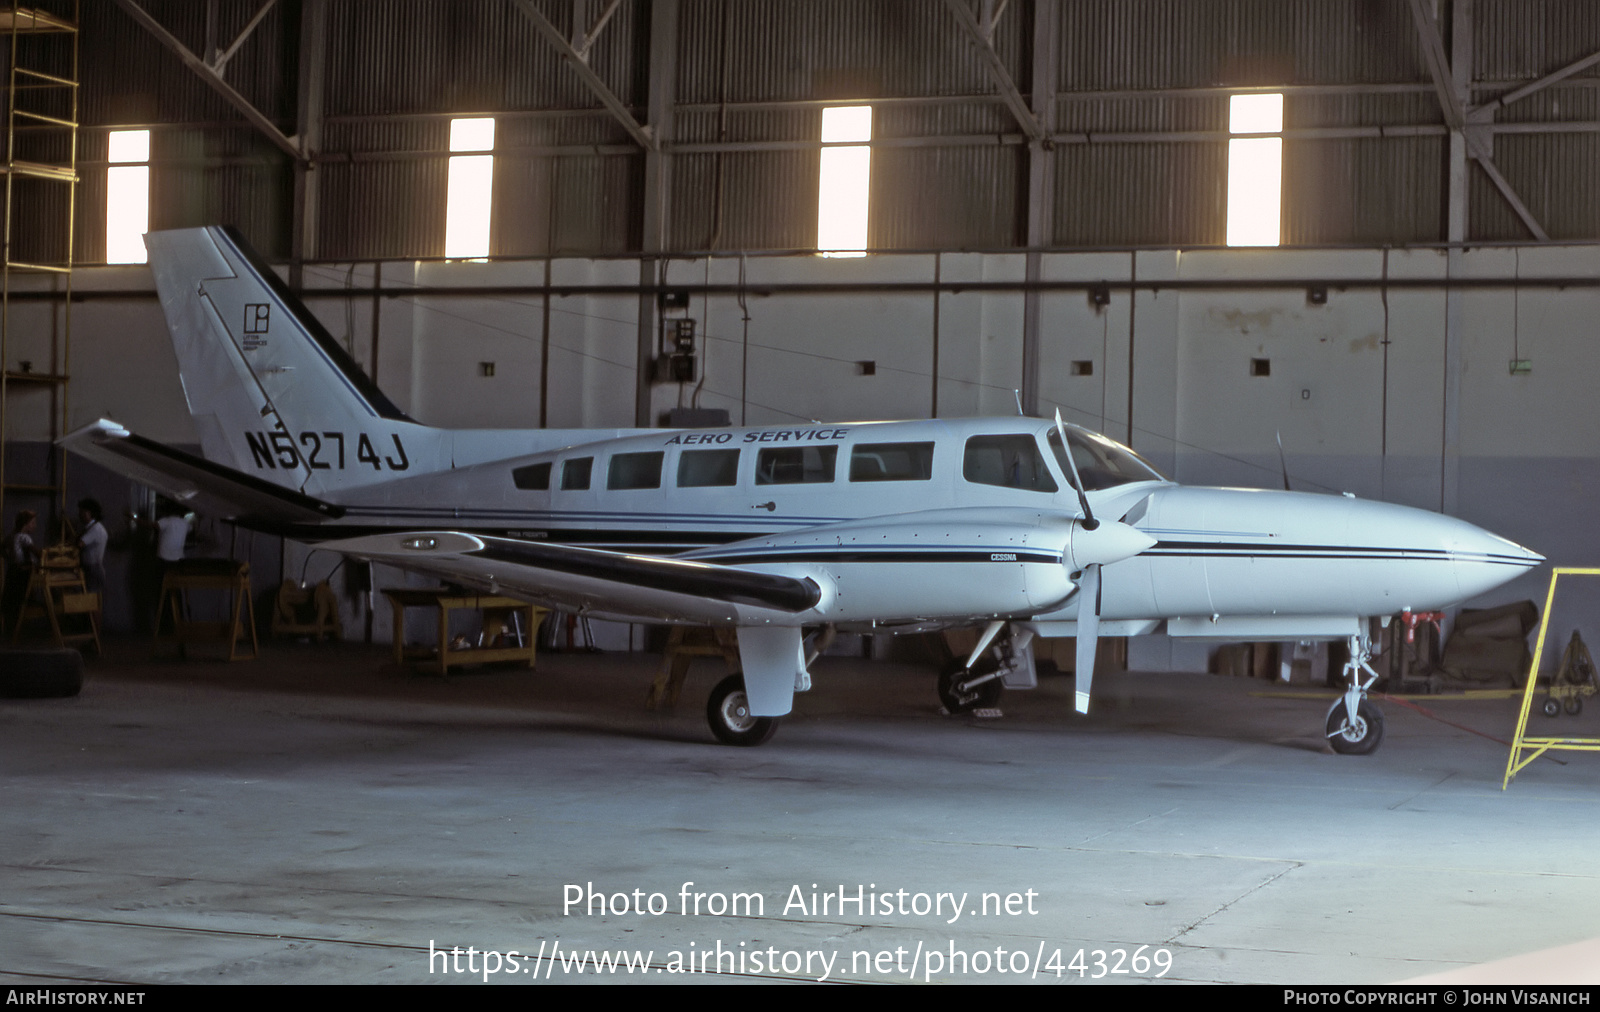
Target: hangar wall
x: 1398, y: 387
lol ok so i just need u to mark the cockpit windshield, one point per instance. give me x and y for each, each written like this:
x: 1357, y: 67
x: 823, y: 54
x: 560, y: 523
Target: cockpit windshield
x: 1102, y: 462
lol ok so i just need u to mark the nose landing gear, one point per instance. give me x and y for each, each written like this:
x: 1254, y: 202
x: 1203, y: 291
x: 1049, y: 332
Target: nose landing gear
x: 1355, y: 725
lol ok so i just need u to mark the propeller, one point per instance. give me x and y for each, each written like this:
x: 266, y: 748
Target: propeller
x: 1283, y: 463
x: 1094, y: 544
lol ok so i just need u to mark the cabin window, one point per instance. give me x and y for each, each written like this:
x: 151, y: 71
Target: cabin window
x: 635, y: 470
x: 575, y: 474
x: 1007, y: 461
x: 796, y: 465
x: 891, y: 462
x: 533, y: 477
x: 708, y: 468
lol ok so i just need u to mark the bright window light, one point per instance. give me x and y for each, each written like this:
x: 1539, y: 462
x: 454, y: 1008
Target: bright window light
x: 127, y: 196
x: 470, y: 191
x: 845, y: 178
x: 1255, y: 171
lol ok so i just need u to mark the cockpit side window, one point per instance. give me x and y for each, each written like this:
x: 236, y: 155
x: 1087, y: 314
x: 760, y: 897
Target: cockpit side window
x: 1010, y: 461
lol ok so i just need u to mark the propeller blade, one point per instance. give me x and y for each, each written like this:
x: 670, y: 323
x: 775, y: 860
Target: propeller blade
x: 1089, y: 522
x: 1088, y: 633
x: 1283, y: 464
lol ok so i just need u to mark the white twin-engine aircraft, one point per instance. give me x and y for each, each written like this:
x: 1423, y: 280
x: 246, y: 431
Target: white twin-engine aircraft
x: 1019, y: 526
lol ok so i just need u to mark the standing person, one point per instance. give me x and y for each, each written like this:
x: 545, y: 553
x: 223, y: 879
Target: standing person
x: 172, y: 531
x: 92, y: 546
x: 21, y: 554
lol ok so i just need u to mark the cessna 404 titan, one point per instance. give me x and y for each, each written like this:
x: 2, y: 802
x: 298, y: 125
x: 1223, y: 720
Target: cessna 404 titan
x: 1018, y: 526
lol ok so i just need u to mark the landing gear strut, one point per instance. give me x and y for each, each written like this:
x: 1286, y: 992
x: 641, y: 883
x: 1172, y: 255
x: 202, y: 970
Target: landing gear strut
x: 977, y: 682
x: 1355, y: 725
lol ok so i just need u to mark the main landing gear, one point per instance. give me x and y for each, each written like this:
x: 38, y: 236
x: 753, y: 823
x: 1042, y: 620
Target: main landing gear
x: 1355, y: 725
x: 977, y: 682
x: 728, y: 713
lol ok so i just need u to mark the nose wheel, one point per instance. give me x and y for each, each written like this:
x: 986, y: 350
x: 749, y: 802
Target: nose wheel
x: 1358, y: 736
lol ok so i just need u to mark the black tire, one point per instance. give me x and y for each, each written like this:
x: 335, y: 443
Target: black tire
x: 1574, y: 705
x: 728, y: 713
x: 51, y: 673
x: 1552, y: 707
x: 979, y: 697
x: 1359, y: 739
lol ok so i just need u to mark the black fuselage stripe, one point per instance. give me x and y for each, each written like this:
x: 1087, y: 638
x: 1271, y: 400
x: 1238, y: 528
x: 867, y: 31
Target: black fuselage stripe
x: 870, y: 555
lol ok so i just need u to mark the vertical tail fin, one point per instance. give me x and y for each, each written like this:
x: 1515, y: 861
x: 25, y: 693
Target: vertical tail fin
x: 270, y: 390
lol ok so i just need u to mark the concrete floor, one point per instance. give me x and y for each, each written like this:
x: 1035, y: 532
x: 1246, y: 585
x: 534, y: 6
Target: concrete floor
x: 321, y: 816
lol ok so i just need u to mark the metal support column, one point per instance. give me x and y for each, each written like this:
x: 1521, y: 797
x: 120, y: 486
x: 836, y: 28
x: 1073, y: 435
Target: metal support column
x: 308, y: 134
x: 1041, y: 188
x: 657, y: 179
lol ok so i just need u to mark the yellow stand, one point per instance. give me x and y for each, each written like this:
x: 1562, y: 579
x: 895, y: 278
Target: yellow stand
x: 55, y: 592
x: 233, y: 578
x: 684, y: 644
x: 1524, y: 749
x: 496, y: 611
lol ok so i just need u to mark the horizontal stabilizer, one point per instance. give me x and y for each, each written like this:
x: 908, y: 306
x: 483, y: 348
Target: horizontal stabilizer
x: 196, y: 482
x: 612, y: 583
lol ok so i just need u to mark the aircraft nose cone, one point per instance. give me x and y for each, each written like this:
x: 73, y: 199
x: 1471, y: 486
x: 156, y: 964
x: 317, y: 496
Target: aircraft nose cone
x: 1483, y: 561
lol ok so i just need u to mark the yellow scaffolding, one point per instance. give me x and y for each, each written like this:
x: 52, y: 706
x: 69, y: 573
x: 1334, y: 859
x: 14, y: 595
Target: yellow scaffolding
x: 1525, y: 749
x: 41, y: 174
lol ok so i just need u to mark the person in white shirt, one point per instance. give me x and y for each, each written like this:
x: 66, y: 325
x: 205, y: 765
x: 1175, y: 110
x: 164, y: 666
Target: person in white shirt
x: 172, y: 531
x: 92, y: 546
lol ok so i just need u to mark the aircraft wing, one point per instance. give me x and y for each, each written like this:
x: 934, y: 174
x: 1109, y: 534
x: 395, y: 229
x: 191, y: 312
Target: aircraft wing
x: 192, y: 480
x: 588, y: 579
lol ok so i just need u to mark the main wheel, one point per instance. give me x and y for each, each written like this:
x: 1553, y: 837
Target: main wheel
x: 728, y: 713
x: 1358, y: 737
x: 958, y: 699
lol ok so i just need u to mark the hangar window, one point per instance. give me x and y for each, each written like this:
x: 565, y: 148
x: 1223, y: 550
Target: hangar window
x: 635, y: 470
x: 1007, y: 461
x: 1255, y: 170
x: 470, y: 189
x: 708, y: 468
x: 843, y: 183
x: 891, y: 462
x: 575, y: 474
x: 127, y: 196
x: 796, y: 465
x: 533, y: 477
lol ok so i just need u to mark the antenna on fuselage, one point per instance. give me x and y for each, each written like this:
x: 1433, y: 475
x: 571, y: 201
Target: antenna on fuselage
x: 1018, y: 395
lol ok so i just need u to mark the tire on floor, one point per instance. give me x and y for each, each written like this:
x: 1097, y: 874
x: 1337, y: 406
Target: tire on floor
x: 48, y: 673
